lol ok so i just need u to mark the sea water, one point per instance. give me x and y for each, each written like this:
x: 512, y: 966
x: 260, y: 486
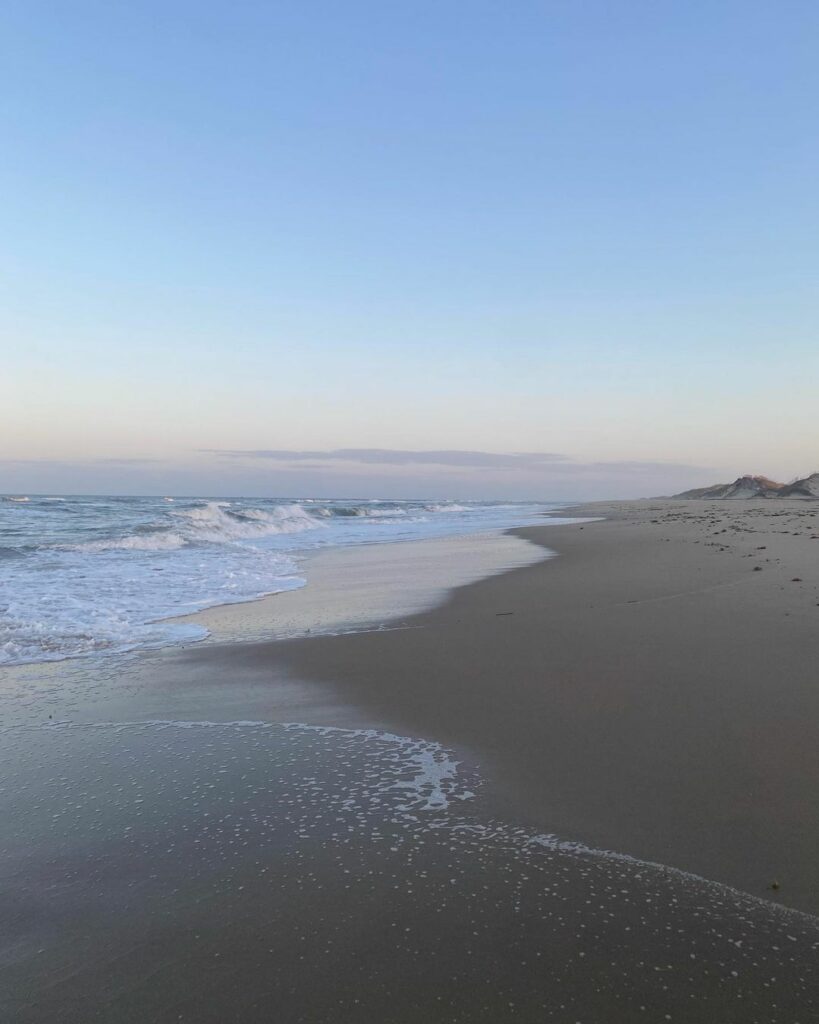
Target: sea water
x: 93, y: 575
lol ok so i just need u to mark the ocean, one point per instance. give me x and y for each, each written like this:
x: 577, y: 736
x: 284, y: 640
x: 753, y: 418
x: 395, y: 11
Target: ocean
x: 87, y: 576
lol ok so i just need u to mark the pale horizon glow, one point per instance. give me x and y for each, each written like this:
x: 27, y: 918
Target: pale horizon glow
x: 365, y: 473
x: 583, y: 230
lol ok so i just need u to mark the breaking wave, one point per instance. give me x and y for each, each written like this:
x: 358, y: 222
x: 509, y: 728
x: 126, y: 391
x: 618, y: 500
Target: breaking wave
x: 213, y: 523
x: 90, y: 575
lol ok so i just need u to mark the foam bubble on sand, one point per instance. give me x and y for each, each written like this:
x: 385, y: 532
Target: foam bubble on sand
x: 243, y: 818
x: 423, y: 772
x: 159, y: 723
x: 413, y: 784
x: 405, y: 776
x: 433, y: 774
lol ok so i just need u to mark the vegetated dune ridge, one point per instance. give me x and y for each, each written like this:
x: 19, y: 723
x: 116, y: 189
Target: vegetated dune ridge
x: 758, y: 487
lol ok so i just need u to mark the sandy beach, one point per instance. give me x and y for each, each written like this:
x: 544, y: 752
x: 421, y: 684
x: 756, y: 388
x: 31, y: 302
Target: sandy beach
x: 427, y: 843
x: 653, y: 690
x: 331, y: 690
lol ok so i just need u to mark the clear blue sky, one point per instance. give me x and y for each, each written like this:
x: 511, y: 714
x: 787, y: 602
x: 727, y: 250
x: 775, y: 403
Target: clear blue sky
x: 584, y: 228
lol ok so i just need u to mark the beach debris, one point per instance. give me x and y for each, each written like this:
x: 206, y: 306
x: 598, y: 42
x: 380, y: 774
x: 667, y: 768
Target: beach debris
x: 757, y: 568
x: 774, y: 885
x: 796, y: 579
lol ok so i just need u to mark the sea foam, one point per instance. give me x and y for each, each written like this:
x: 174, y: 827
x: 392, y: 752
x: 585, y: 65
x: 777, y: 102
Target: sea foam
x: 89, y: 576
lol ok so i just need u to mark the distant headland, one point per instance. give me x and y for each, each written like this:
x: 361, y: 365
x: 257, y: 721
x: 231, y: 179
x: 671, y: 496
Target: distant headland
x: 758, y: 487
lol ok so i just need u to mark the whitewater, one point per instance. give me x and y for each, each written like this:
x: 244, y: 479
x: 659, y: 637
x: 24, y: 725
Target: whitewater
x: 86, y: 576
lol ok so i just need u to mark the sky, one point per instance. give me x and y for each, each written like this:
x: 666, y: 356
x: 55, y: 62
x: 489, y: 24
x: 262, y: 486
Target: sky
x: 583, y: 230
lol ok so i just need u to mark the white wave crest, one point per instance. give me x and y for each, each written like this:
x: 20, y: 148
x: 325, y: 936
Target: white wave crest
x: 210, y: 524
x: 136, y: 542
x: 107, y: 577
x: 383, y: 513
x: 213, y: 524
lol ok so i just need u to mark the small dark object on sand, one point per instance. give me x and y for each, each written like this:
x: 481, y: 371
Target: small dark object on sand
x: 796, y: 579
x: 774, y: 884
x: 757, y: 568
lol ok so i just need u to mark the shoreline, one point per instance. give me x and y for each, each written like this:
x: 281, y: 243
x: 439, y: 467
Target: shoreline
x: 538, y: 799
x: 234, y: 611
x: 97, y: 578
x: 353, y: 588
x: 367, y: 586
x: 621, y: 702
x: 481, y: 619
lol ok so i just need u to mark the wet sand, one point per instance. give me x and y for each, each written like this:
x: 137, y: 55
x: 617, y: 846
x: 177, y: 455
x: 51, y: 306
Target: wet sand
x: 352, y: 588
x: 647, y: 692
x: 654, y: 690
